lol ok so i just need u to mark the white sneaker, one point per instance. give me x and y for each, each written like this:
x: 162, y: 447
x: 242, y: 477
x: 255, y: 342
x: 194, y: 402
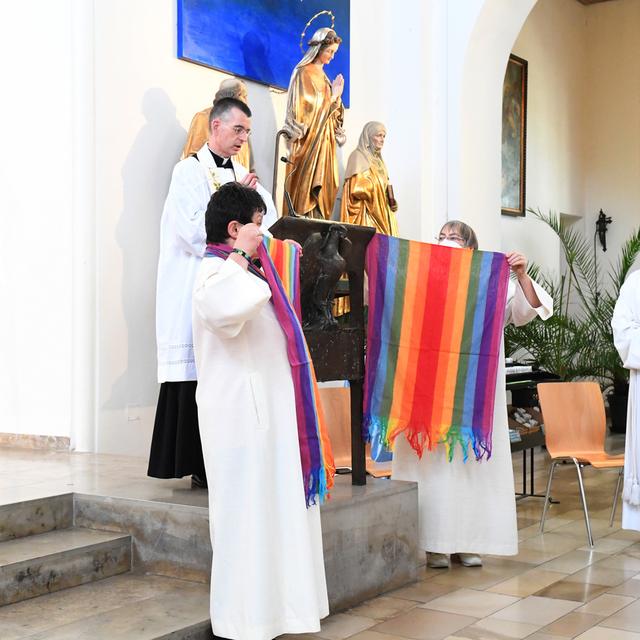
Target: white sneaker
x: 437, y: 560
x: 470, y: 559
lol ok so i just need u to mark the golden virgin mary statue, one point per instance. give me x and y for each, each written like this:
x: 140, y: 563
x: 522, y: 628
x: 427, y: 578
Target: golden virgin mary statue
x: 313, y: 125
x: 367, y: 197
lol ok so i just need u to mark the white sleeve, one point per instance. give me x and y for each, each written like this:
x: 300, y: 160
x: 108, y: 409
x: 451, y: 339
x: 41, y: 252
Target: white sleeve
x: 184, y: 208
x: 520, y: 312
x: 626, y: 324
x: 228, y: 298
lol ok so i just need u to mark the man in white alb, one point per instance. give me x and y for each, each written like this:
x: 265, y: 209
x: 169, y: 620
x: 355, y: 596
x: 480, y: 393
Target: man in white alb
x: 176, y: 450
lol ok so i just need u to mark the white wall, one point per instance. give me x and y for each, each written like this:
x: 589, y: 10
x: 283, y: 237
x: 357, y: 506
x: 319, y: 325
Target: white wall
x: 481, y: 34
x: 145, y: 98
x: 583, y: 139
x: 554, y: 42
x: 35, y: 228
x: 389, y: 83
x: 612, y: 127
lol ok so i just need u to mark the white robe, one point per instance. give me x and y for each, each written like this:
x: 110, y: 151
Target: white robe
x: 470, y: 507
x: 182, y: 244
x: 626, y: 335
x: 268, y: 571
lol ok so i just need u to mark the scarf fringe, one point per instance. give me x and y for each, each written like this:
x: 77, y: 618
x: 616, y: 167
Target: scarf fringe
x: 317, y: 491
x: 420, y: 439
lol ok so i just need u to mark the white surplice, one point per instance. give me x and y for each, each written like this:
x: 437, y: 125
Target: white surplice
x: 626, y: 334
x: 268, y: 571
x: 182, y: 243
x: 470, y: 507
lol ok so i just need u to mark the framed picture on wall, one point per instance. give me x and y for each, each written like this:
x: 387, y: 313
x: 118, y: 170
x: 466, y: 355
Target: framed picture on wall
x: 260, y: 40
x: 514, y: 137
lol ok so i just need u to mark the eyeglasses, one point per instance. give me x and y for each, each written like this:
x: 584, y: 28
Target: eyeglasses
x: 239, y: 129
x: 454, y: 237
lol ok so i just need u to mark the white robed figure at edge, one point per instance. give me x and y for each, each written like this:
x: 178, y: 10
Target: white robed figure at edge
x: 469, y: 508
x: 626, y: 335
x: 268, y: 573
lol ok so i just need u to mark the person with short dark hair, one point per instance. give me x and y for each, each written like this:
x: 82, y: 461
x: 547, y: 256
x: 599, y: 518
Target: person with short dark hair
x: 223, y: 106
x: 231, y: 203
x: 267, y: 570
x: 176, y: 450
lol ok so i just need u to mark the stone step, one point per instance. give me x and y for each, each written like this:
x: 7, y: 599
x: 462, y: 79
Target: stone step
x: 31, y: 517
x: 48, y: 562
x: 144, y: 607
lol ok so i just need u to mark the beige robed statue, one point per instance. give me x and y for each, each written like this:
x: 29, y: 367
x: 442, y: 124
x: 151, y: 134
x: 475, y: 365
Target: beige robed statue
x: 367, y: 197
x: 199, y: 127
x: 313, y: 125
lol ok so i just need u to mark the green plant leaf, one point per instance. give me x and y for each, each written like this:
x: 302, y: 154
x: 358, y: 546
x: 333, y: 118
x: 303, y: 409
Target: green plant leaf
x: 577, y: 341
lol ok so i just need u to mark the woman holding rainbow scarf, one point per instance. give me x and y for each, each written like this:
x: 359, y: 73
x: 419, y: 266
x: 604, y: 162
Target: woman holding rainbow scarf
x: 265, y: 449
x: 468, y: 508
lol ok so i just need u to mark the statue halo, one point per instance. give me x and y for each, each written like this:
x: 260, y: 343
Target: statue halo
x: 317, y: 15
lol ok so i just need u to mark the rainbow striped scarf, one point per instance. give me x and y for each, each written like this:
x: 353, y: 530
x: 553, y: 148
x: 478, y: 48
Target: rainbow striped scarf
x: 281, y: 270
x: 286, y: 260
x: 435, y: 324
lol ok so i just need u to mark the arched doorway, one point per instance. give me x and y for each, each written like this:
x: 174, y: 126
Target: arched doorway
x: 479, y: 43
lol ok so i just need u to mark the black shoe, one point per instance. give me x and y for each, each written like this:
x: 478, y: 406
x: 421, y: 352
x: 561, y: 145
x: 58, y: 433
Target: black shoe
x: 198, y: 482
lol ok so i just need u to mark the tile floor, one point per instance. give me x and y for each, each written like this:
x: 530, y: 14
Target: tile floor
x: 555, y: 588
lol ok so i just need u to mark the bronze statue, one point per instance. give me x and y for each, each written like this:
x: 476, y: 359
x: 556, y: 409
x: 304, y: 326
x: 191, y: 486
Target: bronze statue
x: 321, y: 266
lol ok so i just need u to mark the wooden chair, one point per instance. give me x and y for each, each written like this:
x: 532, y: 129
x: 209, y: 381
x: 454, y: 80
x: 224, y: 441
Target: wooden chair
x: 336, y: 404
x: 575, y: 425
x: 337, y: 412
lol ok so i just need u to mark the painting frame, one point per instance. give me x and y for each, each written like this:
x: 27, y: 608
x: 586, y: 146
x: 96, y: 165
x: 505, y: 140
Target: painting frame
x: 514, y: 137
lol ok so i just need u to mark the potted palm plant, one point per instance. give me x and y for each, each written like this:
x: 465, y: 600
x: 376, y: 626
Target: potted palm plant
x: 577, y: 342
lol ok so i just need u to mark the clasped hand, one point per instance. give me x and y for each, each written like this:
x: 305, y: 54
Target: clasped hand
x: 337, y: 86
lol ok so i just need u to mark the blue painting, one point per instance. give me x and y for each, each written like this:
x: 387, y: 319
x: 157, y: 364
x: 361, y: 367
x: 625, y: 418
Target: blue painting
x: 259, y: 39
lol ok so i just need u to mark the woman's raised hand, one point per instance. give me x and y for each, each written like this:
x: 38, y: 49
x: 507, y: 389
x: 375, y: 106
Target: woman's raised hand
x: 517, y: 262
